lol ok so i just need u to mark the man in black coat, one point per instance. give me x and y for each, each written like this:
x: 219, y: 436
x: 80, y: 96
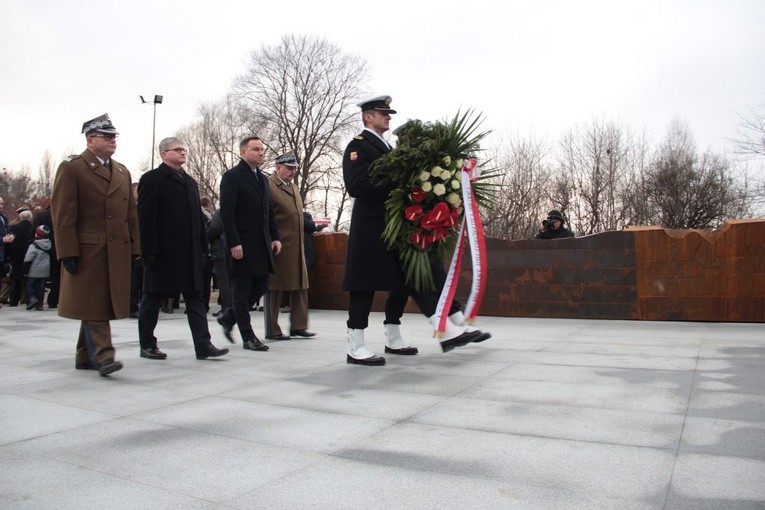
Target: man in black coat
x: 173, y: 249
x: 22, y: 235
x: 252, y: 237
x: 369, y: 265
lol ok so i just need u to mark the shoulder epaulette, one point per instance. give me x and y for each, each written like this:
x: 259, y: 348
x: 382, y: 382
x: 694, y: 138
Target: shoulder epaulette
x: 72, y: 157
x: 358, y: 137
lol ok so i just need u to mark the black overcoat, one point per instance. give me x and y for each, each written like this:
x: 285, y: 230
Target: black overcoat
x: 369, y: 265
x: 22, y: 233
x: 245, y: 206
x: 172, y: 230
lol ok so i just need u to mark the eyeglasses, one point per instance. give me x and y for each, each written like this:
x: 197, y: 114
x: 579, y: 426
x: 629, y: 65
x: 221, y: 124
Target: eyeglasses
x: 105, y: 136
x: 179, y: 150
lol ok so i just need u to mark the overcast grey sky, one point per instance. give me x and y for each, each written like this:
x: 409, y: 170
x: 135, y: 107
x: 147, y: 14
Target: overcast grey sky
x: 540, y: 65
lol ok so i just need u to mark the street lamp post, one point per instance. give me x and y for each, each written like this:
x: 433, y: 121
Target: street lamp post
x: 157, y: 100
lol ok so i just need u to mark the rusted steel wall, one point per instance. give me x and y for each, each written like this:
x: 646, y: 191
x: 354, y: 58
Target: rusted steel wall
x: 645, y: 273
x: 702, y: 275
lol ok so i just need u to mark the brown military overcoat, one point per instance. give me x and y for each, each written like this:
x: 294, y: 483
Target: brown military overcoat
x: 290, y: 270
x: 95, y: 219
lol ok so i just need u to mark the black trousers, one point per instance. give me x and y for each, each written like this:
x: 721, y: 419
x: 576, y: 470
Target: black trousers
x: 361, y: 302
x: 136, y: 282
x: 207, y: 274
x: 195, y: 314
x: 244, y: 290
x: 55, y: 282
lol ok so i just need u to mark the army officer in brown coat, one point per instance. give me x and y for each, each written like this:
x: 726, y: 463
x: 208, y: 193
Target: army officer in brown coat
x: 96, y: 237
x: 290, y: 274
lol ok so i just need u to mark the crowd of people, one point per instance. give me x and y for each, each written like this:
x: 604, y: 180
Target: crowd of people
x: 112, y: 248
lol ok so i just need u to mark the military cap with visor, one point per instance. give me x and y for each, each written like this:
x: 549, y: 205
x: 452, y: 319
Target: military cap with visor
x: 287, y: 160
x: 379, y: 103
x: 101, y: 124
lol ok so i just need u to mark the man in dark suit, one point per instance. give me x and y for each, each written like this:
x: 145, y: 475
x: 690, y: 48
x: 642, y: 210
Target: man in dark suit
x: 369, y: 265
x: 173, y: 249
x: 251, y: 235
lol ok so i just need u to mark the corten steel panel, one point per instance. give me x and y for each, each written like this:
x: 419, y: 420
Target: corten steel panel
x: 696, y: 275
x: 642, y: 273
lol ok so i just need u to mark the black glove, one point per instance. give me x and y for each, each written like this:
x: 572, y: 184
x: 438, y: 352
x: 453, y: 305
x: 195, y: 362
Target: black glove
x: 70, y: 264
x: 149, y: 261
x: 320, y: 227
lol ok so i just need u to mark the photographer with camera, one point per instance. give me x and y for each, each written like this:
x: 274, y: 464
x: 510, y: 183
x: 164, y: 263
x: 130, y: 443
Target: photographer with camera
x: 552, y: 227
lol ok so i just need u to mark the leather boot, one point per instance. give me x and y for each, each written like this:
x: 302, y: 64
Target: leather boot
x: 454, y: 336
x: 358, y: 354
x: 458, y: 318
x: 394, y: 344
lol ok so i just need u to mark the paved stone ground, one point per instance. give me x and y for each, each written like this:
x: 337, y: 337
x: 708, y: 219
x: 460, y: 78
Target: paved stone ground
x: 568, y: 414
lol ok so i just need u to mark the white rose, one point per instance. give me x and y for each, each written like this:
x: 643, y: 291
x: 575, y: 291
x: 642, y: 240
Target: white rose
x: 439, y: 189
x: 454, y: 199
x: 447, y: 160
x: 459, y: 164
x: 446, y: 175
x: 426, y: 186
x: 436, y: 171
x: 456, y: 184
x: 424, y: 176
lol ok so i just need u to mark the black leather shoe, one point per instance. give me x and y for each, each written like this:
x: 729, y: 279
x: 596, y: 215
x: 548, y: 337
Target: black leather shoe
x: 278, y: 337
x: 108, y: 366
x: 404, y: 351
x: 485, y: 335
x: 153, y: 353
x: 464, y: 339
x: 211, y: 352
x: 255, y: 345
x: 85, y: 366
x: 301, y: 332
x: 373, y: 361
x: 227, y: 328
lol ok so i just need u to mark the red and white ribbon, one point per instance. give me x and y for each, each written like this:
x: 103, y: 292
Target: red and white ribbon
x: 472, y: 229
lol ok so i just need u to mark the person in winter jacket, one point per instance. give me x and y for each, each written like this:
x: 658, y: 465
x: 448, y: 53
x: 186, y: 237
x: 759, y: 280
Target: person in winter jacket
x: 38, y: 260
x: 552, y: 227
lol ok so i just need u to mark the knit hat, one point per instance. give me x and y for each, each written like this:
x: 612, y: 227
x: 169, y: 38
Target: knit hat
x: 43, y: 231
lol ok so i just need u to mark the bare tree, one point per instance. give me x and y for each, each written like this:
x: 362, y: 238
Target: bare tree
x: 692, y: 191
x: 301, y: 93
x: 523, y: 187
x: 750, y: 137
x: 213, y: 143
x: 45, y: 175
x: 17, y: 187
x: 596, y: 160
